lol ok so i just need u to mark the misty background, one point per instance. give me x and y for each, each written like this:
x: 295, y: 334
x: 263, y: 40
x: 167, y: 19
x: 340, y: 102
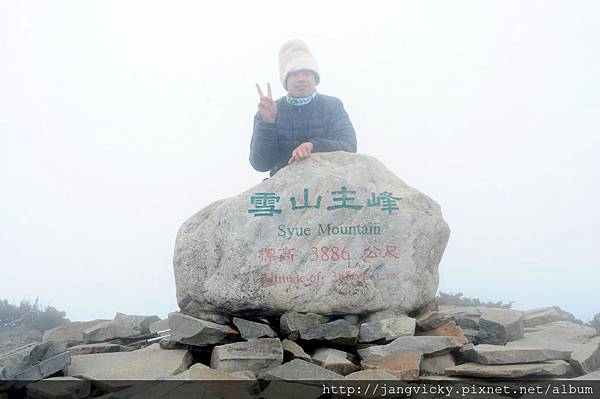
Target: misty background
x: 120, y: 119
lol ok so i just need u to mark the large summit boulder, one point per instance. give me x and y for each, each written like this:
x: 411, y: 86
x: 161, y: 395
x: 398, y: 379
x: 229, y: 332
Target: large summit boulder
x: 337, y: 233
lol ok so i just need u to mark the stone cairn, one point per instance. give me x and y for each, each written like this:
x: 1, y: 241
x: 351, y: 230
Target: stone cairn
x: 434, y: 343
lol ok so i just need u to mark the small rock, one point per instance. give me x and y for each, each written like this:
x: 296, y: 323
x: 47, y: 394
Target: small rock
x: 499, y: 326
x: 425, y: 345
x: 72, y: 333
x: 250, y: 329
x: 337, y: 332
x: 121, y: 326
x: 405, y: 365
x: 446, y: 329
x: 437, y: 365
x: 189, y: 330
x: 387, y: 329
x: 293, y: 322
x: 294, y: 350
x: 335, y: 360
x: 255, y: 355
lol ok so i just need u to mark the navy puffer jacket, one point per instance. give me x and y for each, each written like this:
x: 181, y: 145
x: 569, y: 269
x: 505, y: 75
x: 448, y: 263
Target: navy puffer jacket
x: 323, y: 122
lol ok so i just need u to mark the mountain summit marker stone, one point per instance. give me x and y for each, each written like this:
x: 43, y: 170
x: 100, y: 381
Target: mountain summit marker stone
x: 336, y: 233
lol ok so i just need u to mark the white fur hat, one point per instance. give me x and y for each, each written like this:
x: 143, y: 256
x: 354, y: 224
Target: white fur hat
x: 293, y: 56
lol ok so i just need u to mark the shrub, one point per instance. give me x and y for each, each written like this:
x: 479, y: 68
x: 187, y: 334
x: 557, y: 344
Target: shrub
x: 31, y: 315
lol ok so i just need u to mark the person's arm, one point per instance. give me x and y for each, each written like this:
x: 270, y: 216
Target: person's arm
x: 263, y: 145
x: 341, y: 134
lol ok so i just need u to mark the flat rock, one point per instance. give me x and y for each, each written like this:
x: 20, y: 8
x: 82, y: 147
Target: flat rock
x: 500, y: 354
x: 71, y: 333
x: 499, y: 326
x: 337, y: 332
x: 120, y: 327
x: 554, y: 368
x: 192, y: 331
x: 88, y: 349
x: 252, y: 254
x: 387, y: 329
x: 295, y: 350
x: 58, y: 388
x: 301, y: 370
x: 558, y: 335
x: 150, y: 363
x: 437, y: 365
x: 586, y: 357
x: 536, y: 317
x: 251, y: 329
x: 335, y: 360
x: 256, y: 355
x: 293, y: 322
x: 425, y: 345
x: 404, y: 365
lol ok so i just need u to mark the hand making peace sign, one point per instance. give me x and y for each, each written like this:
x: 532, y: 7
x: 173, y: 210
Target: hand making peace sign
x: 266, y: 106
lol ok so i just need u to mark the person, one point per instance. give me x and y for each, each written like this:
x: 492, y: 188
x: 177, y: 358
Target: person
x: 302, y: 122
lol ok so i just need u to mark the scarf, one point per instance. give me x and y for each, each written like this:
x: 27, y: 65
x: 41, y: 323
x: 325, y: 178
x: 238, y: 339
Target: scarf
x: 300, y: 100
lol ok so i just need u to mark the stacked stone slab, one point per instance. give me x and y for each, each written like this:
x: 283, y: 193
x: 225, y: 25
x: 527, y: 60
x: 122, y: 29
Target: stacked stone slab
x: 303, y: 346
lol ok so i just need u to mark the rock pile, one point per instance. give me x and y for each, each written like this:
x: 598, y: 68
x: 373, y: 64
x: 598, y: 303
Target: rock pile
x: 427, y: 345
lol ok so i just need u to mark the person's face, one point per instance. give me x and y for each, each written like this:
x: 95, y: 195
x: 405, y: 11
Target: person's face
x: 301, y: 83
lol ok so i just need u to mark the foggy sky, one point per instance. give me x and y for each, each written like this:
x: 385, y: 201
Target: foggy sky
x: 120, y: 119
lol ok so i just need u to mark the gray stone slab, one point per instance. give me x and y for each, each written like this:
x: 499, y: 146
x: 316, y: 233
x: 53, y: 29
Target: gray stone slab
x: 150, y: 363
x: 255, y: 355
x: 499, y: 326
x: 423, y: 344
x: 70, y: 332
x: 337, y: 332
x: 554, y: 368
x: 586, y: 357
x: 251, y: 329
x: 437, y: 365
x: 192, y: 331
x: 335, y: 360
x: 558, y: 335
x: 120, y: 327
x: 536, y: 317
x: 293, y: 322
x: 500, y: 354
x: 387, y: 329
